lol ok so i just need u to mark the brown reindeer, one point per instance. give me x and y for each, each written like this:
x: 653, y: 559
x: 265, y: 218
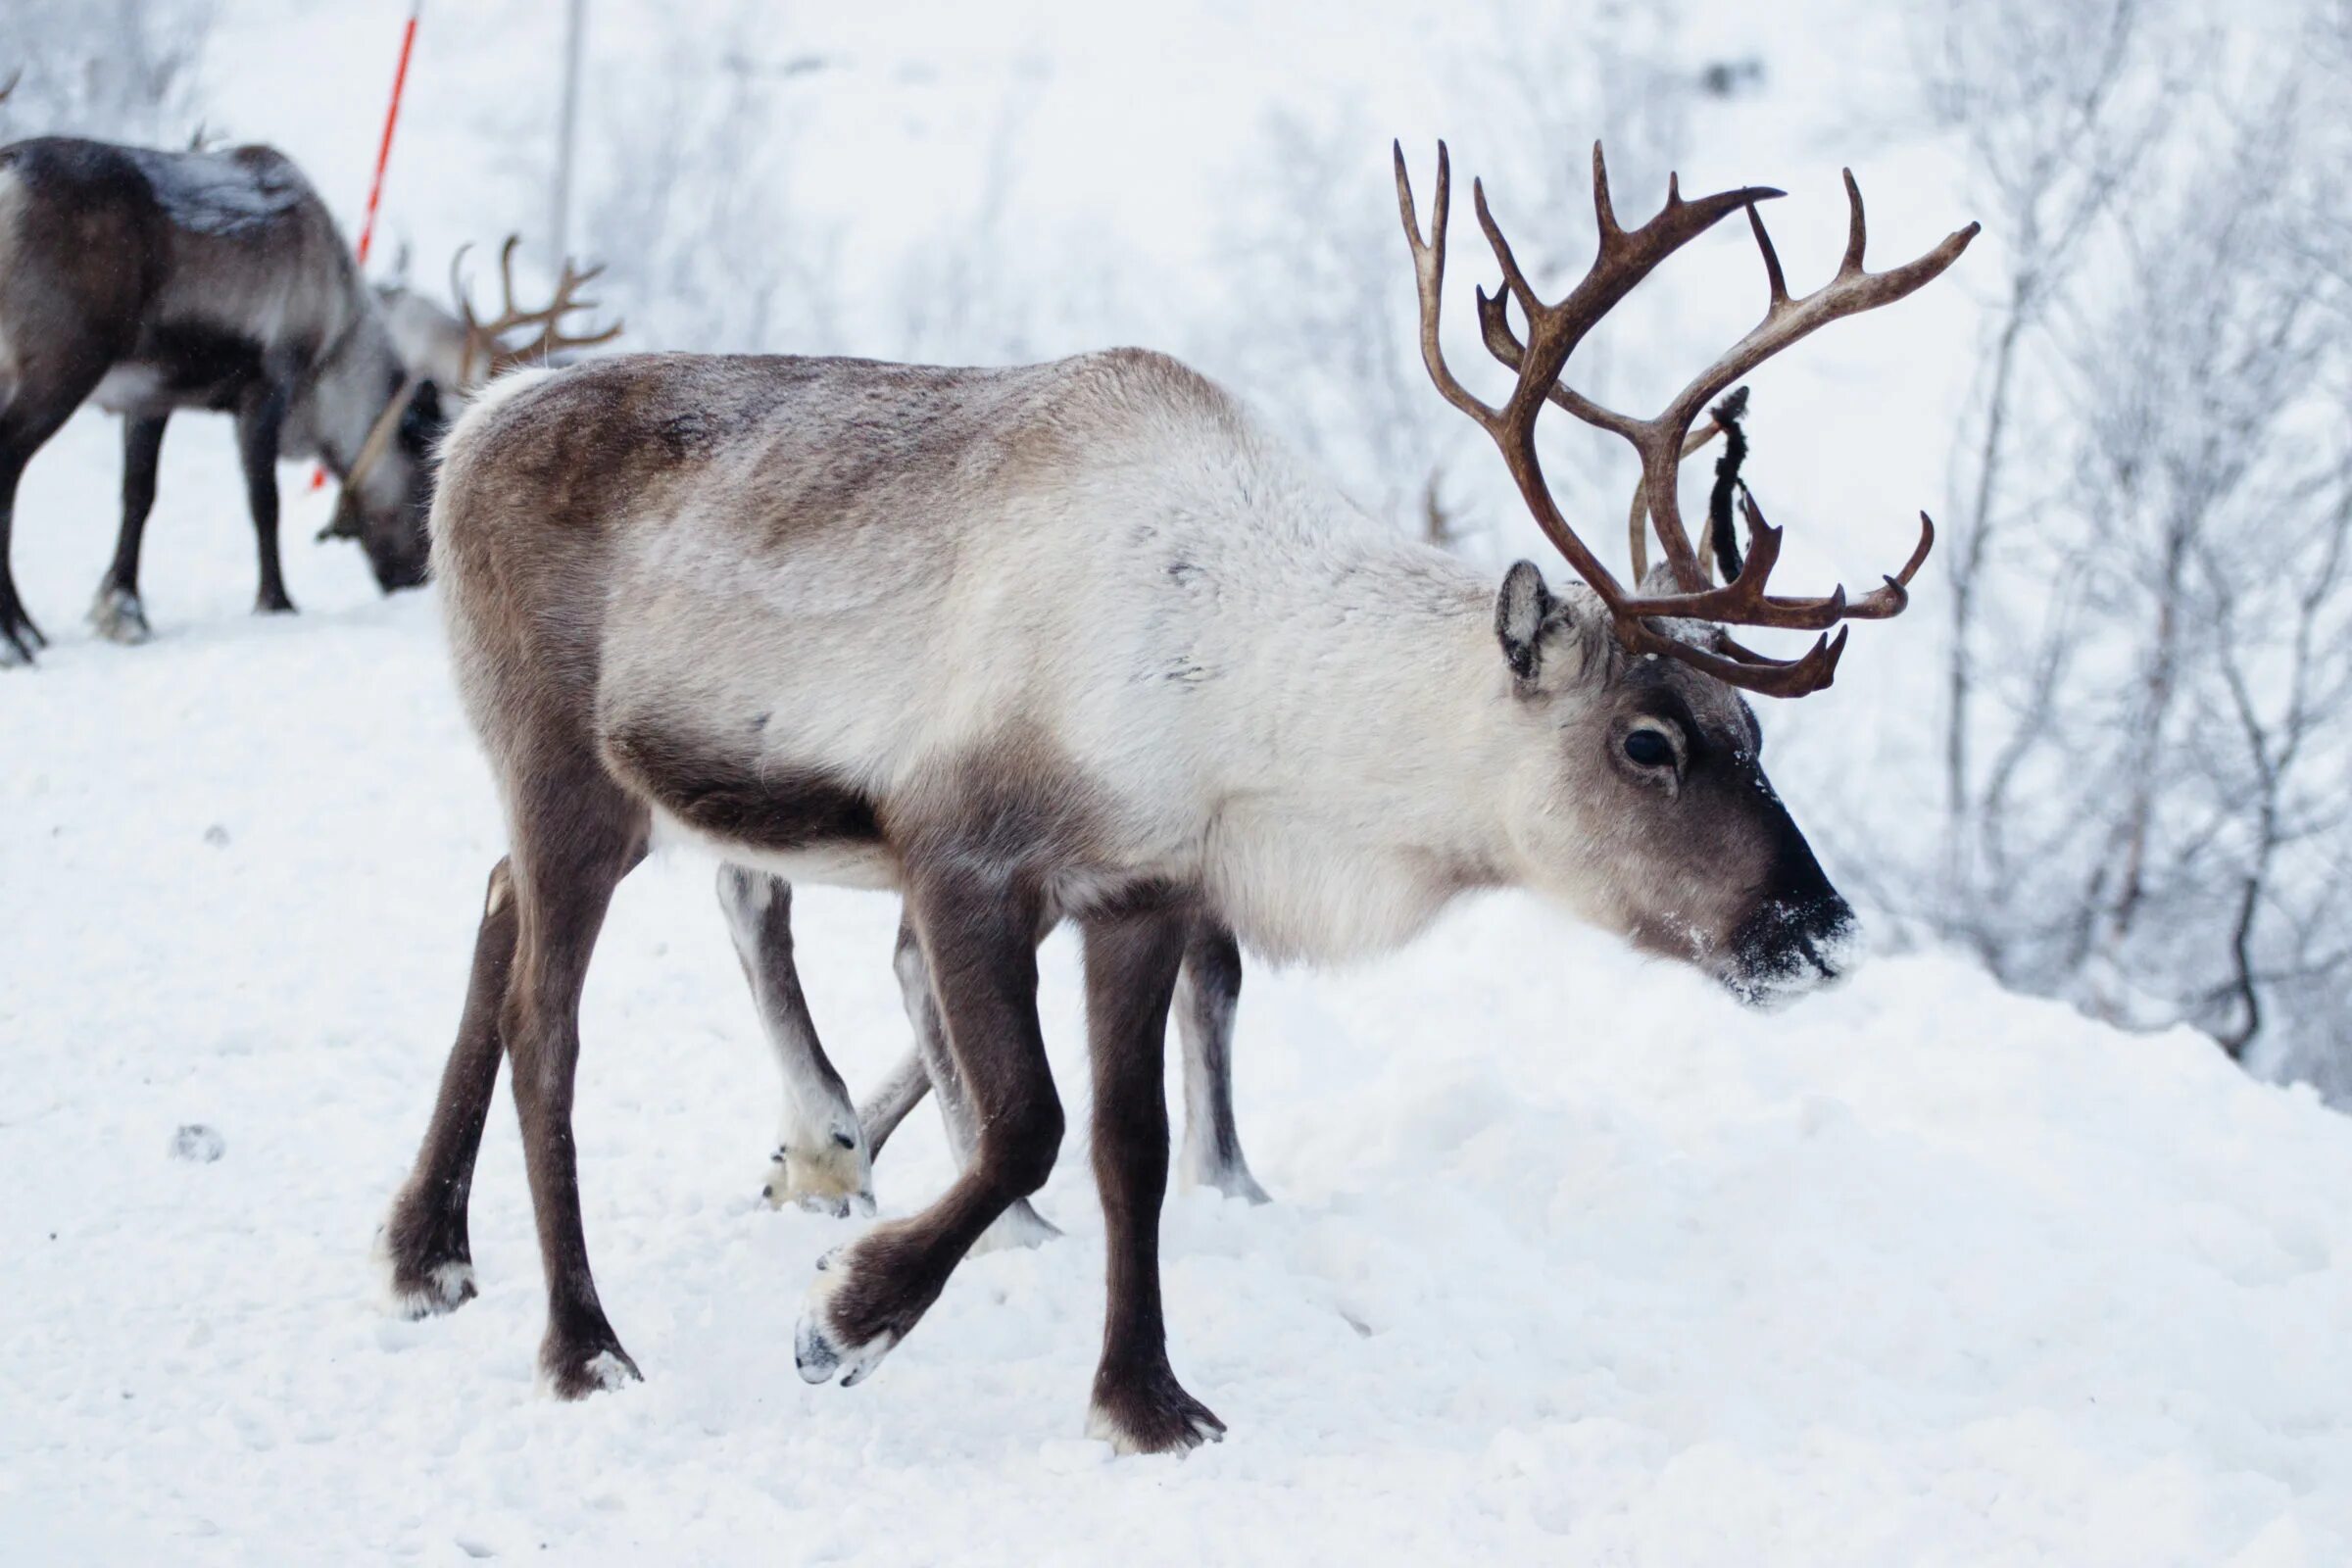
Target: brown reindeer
x: 1079, y: 641
x: 154, y: 281
x: 824, y: 1149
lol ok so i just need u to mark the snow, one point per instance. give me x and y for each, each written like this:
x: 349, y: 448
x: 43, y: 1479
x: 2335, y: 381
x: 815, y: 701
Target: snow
x: 1570, y: 1258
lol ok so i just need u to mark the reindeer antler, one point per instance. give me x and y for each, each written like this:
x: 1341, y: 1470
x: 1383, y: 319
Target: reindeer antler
x: 1626, y: 257
x: 486, y: 341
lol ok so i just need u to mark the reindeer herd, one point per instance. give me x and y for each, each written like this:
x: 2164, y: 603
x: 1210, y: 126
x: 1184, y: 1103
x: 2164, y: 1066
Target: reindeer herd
x: 1066, y: 641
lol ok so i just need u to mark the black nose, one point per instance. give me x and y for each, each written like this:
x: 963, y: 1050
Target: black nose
x: 1798, y: 934
x: 405, y: 572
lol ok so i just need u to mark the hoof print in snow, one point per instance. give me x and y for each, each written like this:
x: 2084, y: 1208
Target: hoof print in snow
x: 217, y: 836
x: 197, y: 1143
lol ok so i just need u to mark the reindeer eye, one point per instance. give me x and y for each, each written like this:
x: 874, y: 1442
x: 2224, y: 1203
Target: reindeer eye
x: 1650, y: 749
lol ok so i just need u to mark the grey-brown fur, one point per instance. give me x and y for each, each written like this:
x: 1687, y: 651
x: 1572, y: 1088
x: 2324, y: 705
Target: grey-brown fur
x: 157, y: 281
x: 1065, y: 641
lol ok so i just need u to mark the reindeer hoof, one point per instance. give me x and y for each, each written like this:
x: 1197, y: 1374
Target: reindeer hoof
x: 825, y: 1176
x: 1149, y: 1413
x: 574, y: 1370
x: 433, y: 1292
x: 19, y: 637
x: 820, y: 1348
x: 117, y: 616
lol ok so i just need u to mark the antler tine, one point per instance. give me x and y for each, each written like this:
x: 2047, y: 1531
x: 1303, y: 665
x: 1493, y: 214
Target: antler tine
x: 1604, y: 212
x: 1429, y: 276
x: 1773, y: 277
x: 506, y: 276
x: 1514, y: 278
x: 1637, y: 523
x: 1857, y: 233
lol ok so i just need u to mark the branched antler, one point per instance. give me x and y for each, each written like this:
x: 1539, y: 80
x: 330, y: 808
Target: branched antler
x: 486, y: 343
x: 1553, y: 331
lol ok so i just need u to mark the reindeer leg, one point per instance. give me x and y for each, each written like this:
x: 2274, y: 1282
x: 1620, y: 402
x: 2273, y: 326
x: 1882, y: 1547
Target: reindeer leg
x: 900, y: 1089
x: 1207, y: 994
x: 18, y: 636
x: 1131, y: 966
x: 576, y: 836
x: 1020, y: 1225
x: 979, y: 935
x: 27, y: 420
x: 117, y: 612
x: 258, y: 422
x: 424, y: 1242
x: 821, y: 1161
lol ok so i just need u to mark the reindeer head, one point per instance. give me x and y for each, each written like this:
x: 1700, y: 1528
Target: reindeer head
x: 1642, y: 797
x: 388, y: 489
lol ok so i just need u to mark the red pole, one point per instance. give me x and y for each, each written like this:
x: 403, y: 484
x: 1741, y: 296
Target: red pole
x: 383, y: 157
x: 383, y: 151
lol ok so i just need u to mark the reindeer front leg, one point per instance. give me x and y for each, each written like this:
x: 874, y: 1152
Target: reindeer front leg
x: 1131, y: 965
x: 1020, y: 1225
x: 979, y: 934
x: 260, y: 422
x: 820, y: 1160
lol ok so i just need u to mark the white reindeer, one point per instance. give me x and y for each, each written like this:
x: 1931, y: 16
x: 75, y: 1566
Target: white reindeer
x: 1077, y: 639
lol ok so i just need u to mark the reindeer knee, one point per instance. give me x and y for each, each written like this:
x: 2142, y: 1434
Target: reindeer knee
x: 1018, y: 1148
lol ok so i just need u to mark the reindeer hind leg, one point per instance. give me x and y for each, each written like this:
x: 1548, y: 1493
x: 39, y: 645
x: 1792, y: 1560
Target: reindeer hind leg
x: 1207, y: 994
x: 424, y: 1242
x: 575, y: 834
x: 820, y: 1160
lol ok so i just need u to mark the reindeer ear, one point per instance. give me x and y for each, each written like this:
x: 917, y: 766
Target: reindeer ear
x: 1521, y: 609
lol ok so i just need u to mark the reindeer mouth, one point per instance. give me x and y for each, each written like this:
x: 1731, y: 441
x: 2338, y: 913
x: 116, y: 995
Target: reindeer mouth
x: 1786, y: 950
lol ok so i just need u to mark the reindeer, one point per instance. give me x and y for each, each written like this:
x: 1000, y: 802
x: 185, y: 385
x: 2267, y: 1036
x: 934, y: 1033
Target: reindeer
x: 462, y: 353
x: 154, y: 281
x: 822, y: 1156
x: 1079, y: 641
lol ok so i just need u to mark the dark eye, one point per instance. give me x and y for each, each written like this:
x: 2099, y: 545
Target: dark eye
x: 1650, y: 749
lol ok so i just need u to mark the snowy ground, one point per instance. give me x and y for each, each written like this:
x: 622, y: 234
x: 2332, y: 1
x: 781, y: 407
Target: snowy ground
x: 1571, y: 1261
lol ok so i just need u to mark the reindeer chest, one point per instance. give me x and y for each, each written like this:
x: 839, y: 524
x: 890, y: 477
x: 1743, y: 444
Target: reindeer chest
x: 183, y: 366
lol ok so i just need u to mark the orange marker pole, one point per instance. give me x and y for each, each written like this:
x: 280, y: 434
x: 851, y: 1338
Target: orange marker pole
x: 383, y: 157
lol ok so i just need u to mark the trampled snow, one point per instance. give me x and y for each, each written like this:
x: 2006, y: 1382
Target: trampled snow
x: 1570, y: 1258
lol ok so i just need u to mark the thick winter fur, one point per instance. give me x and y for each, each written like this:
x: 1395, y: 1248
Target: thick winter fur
x: 1071, y: 640
x: 155, y: 281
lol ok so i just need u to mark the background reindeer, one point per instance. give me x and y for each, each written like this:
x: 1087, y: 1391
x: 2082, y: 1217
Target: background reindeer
x: 154, y: 281
x: 1076, y: 640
